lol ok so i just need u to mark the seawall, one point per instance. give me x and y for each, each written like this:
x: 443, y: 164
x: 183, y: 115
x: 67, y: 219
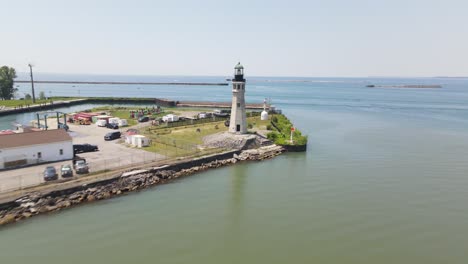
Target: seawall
x: 20, y: 208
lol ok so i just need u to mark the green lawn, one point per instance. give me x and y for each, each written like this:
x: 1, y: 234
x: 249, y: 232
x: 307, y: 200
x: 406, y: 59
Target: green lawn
x: 184, y: 140
x: 124, y: 114
x: 13, y: 103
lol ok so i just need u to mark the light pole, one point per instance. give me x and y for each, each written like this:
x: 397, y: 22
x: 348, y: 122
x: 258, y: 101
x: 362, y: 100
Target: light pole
x: 32, y: 83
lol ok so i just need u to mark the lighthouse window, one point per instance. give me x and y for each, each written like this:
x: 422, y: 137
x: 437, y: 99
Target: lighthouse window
x: 238, y: 104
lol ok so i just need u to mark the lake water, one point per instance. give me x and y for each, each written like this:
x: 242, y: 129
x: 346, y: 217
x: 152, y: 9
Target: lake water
x: 384, y: 181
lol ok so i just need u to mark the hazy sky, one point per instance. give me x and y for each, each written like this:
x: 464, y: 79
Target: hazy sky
x: 271, y: 38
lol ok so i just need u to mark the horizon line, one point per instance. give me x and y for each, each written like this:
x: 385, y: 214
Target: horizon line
x: 252, y: 76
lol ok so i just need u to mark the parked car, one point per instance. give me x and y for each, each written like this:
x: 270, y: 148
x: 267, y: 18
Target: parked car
x: 50, y: 174
x: 112, y: 125
x: 222, y: 112
x: 112, y: 135
x: 204, y: 115
x: 81, y: 167
x: 66, y: 171
x: 80, y: 148
x: 143, y: 119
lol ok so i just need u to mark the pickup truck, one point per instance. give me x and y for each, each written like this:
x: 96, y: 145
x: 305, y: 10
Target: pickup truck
x: 80, y: 166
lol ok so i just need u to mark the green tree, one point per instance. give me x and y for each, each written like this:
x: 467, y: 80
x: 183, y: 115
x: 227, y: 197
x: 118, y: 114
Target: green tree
x: 42, y: 95
x: 27, y: 97
x: 7, y: 89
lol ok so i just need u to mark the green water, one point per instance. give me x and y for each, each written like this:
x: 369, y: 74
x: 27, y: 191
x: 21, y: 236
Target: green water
x: 376, y: 186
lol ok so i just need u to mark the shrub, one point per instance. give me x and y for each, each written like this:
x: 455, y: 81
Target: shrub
x: 42, y: 95
x: 27, y: 97
x: 250, y: 125
x: 273, y: 136
x: 269, y: 127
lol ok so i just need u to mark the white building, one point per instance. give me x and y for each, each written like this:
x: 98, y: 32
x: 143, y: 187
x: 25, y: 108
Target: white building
x: 140, y: 141
x: 35, y: 147
x: 170, y: 118
x: 238, y: 123
x: 264, y: 114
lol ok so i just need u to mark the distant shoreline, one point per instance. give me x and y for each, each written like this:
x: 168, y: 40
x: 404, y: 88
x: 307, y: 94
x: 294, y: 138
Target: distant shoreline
x: 405, y: 86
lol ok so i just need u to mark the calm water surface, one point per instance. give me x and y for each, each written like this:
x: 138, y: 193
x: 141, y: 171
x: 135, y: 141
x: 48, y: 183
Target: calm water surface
x: 384, y: 181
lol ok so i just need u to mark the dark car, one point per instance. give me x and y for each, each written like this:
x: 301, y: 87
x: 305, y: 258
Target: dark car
x: 66, y: 170
x: 50, y: 174
x: 80, y: 148
x: 112, y: 125
x: 112, y: 135
x: 143, y: 119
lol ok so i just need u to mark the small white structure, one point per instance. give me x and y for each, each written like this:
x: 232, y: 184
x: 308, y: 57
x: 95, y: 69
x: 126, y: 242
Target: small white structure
x: 101, y: 122
x: 238, y: 123
x: 128, y: 139
x: 114, y: 120
x: 264, y: 114
x: 122, y: 123
x: 140, y: 141
x: 34, y: 147
x: 170, y: 118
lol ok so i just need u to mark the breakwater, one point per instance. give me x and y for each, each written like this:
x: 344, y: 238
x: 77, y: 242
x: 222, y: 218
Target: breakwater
x: 117, y: 100
x: 43, y: 202
x: 127, y: 83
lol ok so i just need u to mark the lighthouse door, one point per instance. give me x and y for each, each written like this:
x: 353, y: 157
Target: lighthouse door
x: 238, y: 128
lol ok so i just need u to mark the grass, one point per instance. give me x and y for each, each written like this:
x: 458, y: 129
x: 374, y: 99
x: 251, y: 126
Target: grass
x: 16, y: 103
x: 281, y: 132
x: 13, y: 103
x: 123, y: 114
x: 182, y: 141
x: 258, y: 124
x: 187, y: 134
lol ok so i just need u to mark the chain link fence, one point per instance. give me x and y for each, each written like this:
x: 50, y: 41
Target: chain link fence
x: 164, y: 149
x: 9, y: 181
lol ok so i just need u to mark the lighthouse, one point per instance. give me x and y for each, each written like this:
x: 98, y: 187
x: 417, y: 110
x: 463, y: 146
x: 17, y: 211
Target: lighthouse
x: 238, y: 123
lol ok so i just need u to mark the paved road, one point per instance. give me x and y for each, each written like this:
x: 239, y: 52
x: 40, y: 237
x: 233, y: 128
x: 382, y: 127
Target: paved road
x: 111, y: 154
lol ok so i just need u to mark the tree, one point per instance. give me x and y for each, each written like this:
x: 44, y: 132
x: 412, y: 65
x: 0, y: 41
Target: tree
x: 7, y: 89
x: 27, y: 97
x: 42, y: 95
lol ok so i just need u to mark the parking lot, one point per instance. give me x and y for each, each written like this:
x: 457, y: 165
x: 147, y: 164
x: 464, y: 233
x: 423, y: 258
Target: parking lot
x: 111, y: 155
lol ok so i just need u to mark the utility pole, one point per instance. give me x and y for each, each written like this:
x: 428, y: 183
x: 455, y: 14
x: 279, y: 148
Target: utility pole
x: 32, y: 83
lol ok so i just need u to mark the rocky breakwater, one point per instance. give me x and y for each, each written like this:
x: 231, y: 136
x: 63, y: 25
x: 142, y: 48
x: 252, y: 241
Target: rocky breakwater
x: 47, y: 202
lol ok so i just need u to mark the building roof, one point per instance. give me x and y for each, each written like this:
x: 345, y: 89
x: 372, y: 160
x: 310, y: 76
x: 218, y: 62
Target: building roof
x: 33, y: 138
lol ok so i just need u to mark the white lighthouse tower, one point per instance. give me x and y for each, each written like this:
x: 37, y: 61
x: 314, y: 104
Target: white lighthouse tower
x: 238, y: 123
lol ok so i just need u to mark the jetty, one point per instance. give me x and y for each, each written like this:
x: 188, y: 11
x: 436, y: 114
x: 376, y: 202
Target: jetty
x: 126, y: 83
x: 114, y: 100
